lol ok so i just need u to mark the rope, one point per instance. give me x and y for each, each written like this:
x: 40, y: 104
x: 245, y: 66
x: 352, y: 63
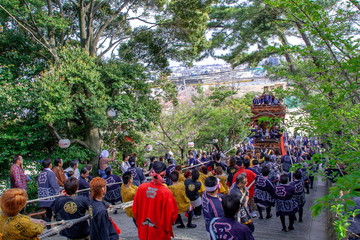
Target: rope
x: 55, y: 196
x: 196, y: 165
x: 64, y: 224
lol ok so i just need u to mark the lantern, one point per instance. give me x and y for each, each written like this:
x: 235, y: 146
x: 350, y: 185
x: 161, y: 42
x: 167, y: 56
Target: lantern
x: 191, y: 144
x: 148, y: 148
x: 111, y: 113
x: 64, y: 143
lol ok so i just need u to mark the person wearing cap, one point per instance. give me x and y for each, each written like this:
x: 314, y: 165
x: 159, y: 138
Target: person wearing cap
x: 136, y: 173
x: 211, y: 202
x: 154, y: 207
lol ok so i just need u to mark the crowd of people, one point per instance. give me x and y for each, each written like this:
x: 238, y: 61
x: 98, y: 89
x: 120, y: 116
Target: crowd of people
x: 266, y: 99
x: 224, y: 190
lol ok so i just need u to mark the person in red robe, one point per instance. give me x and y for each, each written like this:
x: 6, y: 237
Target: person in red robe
x: 154, y: 207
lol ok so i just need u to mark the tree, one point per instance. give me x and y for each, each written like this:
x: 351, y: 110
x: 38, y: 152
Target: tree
x: 72, y: 86
x: 324, y: 71
x: 216, y: 115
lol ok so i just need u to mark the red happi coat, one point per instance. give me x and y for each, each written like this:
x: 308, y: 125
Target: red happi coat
x: 155, y: 211
x: 251, y: 176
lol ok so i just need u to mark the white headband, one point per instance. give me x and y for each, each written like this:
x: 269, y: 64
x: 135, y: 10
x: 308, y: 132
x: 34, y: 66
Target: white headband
x: 212, y: 189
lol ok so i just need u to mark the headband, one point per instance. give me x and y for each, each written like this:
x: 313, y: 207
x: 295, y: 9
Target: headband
x: 213, y: 188
x: 157, y: 176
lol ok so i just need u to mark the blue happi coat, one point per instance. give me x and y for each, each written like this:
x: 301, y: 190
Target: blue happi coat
x: 47, y: 186
x: 264, y: 192
x: 284, y: 200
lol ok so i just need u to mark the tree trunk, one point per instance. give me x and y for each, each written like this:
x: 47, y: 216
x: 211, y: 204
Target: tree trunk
x: 92, y: 137
x: 287, y: 55
x: 182, y: 154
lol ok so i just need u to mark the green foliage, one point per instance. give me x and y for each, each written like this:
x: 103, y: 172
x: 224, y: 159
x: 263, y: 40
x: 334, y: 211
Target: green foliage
x: 207, y: 117
x: 323, y: 71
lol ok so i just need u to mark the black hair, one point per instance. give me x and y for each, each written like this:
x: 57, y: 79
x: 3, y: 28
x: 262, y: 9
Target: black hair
x: 204, y: 170
x: 73, y: 163
x: 70, y: 173
x: 159, y: 167
x: 46, y: 163
x: 84, y: 170
x: 174, y: 176
x: 170, y: 161
x: 230, y: 204
x: 152, y: 158
x: 217, y: 156
x: 57, y: 161
x: 126, y: 177
x: 255, y: 162
x: 178, y: 167
x: 211, y: 181
x: 232, y: 162
x: 246, y: 163
x: 239, y: 163
x: 132, y: 159
x: 284, y: 179
x: 71, y: 185
x: 16, y: 158
x: 125, y: 155
x: 195, y: 175
x: 108, y: 171
x: 265, y: 170
x: 297, y: 174
x: 89, y: 167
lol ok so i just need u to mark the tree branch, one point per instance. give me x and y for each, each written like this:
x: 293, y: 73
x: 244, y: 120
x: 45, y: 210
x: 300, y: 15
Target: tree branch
x: 57, y: 135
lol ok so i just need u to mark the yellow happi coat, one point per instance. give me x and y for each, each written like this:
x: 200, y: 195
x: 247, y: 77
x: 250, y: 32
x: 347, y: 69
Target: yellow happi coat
x: 127, y: 195
x: 19, y: 227
x: 224, y: 189
x: 182, y: 201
